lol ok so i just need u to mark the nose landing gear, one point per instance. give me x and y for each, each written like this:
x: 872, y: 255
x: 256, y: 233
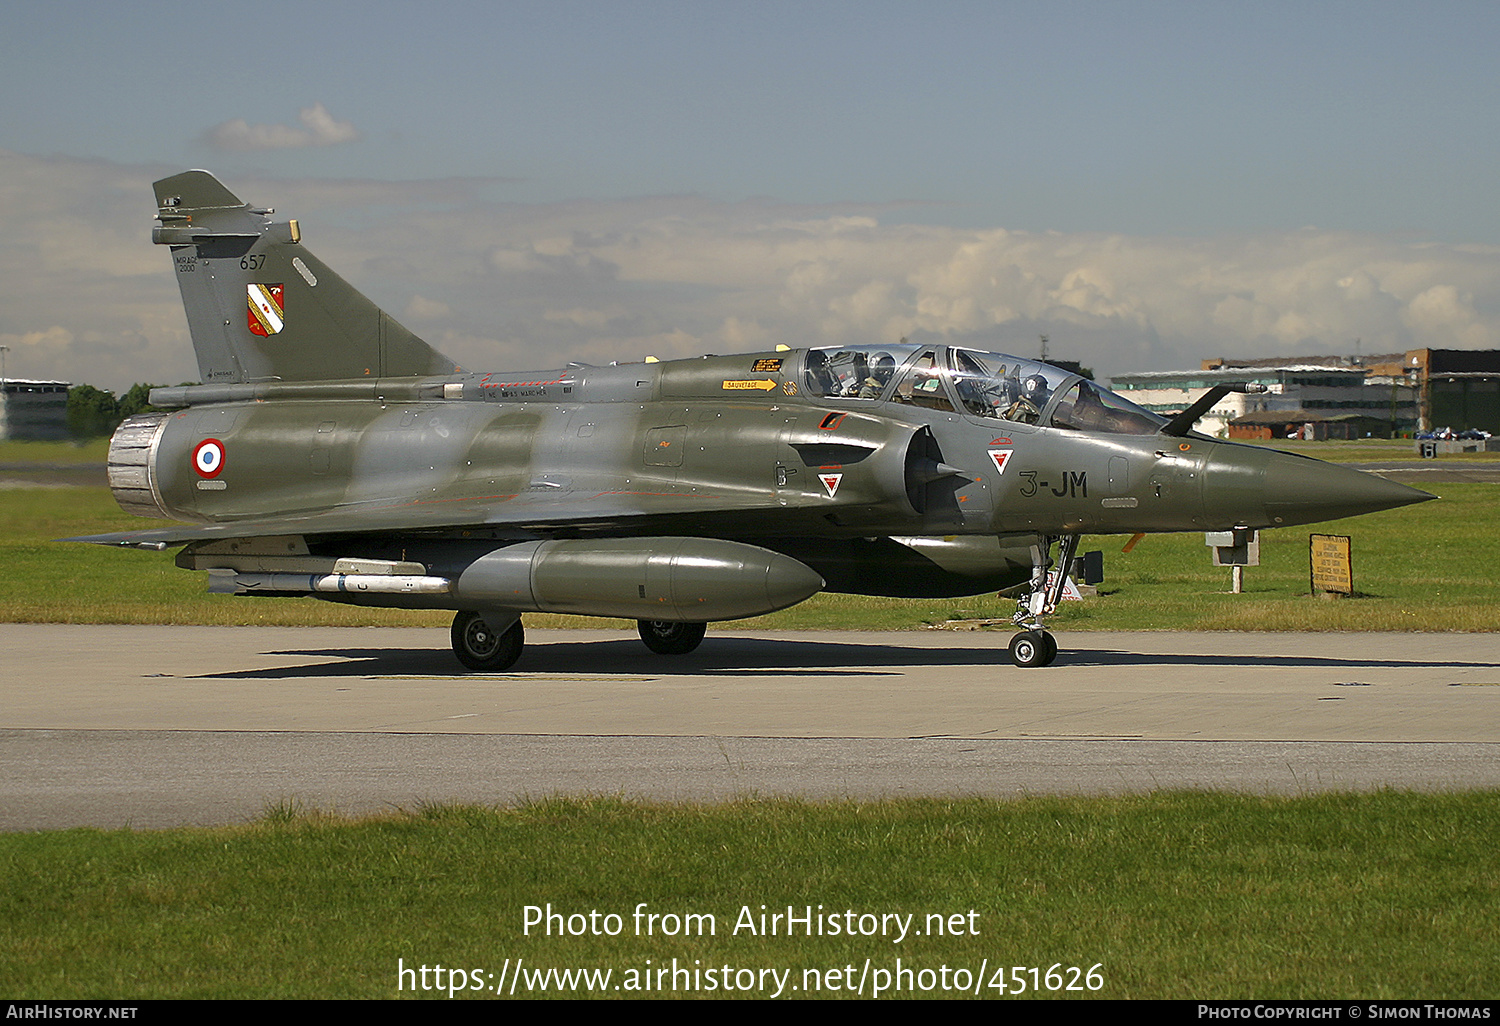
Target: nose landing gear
x: 1034, y: 646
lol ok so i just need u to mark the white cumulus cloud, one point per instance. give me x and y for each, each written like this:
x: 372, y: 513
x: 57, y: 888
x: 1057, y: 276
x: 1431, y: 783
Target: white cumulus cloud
x: 85, y: 296
x: 319, y: 128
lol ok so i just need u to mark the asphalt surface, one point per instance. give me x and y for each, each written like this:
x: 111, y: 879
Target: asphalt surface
x: 1416, y: 472
x: 155, y: 726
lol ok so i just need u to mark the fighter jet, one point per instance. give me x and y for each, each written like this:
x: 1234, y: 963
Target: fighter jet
x: 330, y: 452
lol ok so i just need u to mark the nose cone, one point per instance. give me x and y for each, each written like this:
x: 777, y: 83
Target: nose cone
x: 1299, y: 490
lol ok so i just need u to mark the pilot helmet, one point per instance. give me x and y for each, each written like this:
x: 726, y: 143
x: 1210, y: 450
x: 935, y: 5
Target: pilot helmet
x: 1034, y: 387
x: 882, y: 367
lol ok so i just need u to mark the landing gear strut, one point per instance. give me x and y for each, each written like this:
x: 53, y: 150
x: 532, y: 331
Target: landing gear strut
x: 1034, y: 646
x: 479, y: 646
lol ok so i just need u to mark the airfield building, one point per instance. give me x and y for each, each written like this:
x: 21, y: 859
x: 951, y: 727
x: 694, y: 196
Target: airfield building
x: 1453, y: 388
x: 1317, y: 400
x: 34, y: 411
x: 1456, y: 388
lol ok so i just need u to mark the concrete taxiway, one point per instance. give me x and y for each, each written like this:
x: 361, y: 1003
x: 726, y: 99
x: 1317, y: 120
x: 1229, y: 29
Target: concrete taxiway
x: 154, y: 726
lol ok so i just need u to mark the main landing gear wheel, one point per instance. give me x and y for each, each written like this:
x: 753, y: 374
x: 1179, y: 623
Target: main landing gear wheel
x: 665, y: 637
x: 1033, y: 648
x: 479, y: 647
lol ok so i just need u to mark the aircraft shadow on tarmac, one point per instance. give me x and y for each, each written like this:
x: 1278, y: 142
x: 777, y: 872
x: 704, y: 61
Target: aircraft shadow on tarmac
x: 757, y: 657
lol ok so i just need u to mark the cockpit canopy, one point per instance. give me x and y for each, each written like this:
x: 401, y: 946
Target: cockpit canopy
x: 979, y: 384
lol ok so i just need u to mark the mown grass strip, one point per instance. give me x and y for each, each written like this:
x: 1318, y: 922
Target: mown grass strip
x: 1178, y: 895
x: 92, y: 451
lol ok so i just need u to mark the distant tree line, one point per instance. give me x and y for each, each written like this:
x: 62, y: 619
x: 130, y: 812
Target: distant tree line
x: 93, y: 412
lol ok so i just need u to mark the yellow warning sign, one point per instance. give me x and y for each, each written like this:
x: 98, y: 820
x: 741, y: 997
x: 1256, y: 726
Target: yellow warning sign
x: 760, y: 386
x: 1332, y: 563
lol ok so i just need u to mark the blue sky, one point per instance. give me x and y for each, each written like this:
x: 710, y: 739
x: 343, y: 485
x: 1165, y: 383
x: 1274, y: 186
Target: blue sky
x: 1188, y: 131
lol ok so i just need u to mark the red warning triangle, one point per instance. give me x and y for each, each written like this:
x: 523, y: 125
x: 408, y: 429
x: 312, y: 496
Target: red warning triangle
x: 1001, y: 458
x: 831, y: 483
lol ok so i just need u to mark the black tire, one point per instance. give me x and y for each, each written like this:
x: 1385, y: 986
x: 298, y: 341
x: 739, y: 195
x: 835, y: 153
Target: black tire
x: 480, y: 648
x: 666, y: 637
x: 1051, y: 644
x: 1029, y: 648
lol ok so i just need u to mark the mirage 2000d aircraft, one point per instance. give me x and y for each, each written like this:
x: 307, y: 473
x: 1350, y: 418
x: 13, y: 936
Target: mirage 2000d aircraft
x: 330, y: 452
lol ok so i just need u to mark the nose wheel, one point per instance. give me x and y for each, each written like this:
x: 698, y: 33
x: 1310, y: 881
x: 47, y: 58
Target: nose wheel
x: 1033, y: 648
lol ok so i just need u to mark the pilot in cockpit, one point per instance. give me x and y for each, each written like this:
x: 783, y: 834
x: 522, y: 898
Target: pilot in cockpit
x: 882, y: 367
x: 1027, y: 409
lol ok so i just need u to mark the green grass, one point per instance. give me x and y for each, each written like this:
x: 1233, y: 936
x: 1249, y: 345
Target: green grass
x: 1422, y: 568
x: 92, y: 451
x: 1427, y: 568
x: 47, y: 582
x: 1178, y: 895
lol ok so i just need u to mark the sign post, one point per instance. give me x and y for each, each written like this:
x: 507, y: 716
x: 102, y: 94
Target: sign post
x: 1332, y: 564
x: 1238, y: 548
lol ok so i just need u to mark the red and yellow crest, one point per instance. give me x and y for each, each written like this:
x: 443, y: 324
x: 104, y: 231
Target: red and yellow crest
x: 267, y: 309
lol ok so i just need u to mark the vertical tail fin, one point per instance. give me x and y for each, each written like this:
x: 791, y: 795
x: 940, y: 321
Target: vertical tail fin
x: 260, y: 307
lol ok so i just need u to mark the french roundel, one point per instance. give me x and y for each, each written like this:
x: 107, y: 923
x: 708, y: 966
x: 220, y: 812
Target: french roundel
x: 208, y: 457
